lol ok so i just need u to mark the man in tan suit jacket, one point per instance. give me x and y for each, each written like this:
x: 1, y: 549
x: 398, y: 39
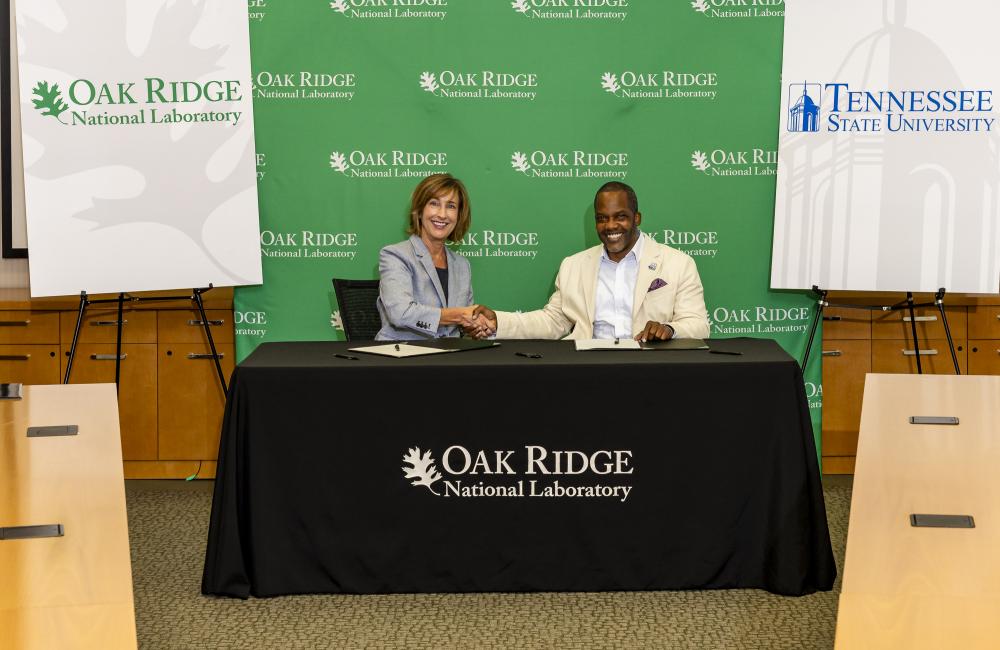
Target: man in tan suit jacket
x: 666, y: 298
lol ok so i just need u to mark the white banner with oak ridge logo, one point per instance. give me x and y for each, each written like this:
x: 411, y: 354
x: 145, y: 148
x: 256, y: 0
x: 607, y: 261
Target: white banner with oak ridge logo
x: 137, y: 124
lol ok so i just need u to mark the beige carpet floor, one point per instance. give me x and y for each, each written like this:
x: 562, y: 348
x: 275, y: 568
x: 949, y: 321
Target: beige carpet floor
x: 168, y: 526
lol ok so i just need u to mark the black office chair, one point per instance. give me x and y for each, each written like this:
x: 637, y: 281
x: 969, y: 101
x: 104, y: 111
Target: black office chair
x: 358, y: 312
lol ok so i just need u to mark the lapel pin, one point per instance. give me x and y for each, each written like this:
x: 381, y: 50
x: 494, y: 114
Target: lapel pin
x: 652, y: 267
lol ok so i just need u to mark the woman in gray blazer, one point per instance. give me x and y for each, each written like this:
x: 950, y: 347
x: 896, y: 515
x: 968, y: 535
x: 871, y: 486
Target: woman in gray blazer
x: 425, y: 290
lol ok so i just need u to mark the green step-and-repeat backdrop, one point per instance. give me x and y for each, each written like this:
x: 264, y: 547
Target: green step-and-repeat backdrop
x: 534, y: 104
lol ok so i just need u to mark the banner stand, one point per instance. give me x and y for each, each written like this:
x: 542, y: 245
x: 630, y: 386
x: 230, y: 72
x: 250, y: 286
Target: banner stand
x: 904, y: 304
x: 195, y: 297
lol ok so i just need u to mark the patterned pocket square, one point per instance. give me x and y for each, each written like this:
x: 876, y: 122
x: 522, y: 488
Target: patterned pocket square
x: 656, y: 284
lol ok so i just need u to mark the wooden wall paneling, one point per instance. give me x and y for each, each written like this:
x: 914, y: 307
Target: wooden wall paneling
x: 27, y: 326
x: 190, y: 399
x: 896, y: 324
x: 984, y: 357
x: 183, y: 326
x: 891, y: 356
x: 842, y: 323
x: 984, y: 322
x: 137, y: 397
x: 29, y: 364
x: 99, y: 325
x: 845, y: 363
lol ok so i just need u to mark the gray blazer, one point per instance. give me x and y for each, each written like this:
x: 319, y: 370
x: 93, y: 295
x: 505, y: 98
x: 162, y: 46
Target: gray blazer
x: 410, y: 294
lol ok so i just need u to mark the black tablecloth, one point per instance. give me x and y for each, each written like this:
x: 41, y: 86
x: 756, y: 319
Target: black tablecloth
x: 724, y: 488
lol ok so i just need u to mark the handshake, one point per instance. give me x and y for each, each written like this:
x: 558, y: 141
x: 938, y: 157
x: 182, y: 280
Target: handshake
x: 478, y: 322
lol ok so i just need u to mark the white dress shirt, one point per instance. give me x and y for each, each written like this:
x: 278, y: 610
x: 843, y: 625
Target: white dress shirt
x: 616, y: 293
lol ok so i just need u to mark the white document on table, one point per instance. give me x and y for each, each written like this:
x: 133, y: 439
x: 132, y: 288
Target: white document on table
x: 398, y: 350
x: 607, y: 344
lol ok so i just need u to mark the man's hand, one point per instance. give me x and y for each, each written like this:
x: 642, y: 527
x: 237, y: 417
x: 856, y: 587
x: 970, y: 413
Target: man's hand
x: 654, y: 331
x: 482, y: 323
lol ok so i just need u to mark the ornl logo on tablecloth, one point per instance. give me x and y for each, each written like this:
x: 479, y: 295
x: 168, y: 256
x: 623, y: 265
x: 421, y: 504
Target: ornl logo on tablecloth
x: 533, y: 471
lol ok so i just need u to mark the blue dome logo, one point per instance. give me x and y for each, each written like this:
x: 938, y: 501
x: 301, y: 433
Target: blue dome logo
x: 804, y: 100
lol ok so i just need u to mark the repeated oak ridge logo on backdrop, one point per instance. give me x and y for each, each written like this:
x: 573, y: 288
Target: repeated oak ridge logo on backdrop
x: 308, y: 244
x: 739, y: 8
x: 484, y: 84
x: 257, y: 10
x: 532, y: 471
x: 736, y: 163
x: 304, y: 85
x: 394, y: 163
x: 250, y: 323
x: 574, y: 163
x: 583, y: 10
x: 663, y: 84
x: 696, y: 243
x: 757, y: 320
x: 391, y: 9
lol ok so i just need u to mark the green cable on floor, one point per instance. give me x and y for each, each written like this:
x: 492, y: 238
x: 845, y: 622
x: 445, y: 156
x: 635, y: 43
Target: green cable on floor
x: 196, y: 472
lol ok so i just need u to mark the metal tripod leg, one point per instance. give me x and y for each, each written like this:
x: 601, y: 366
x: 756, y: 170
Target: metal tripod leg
x: 118, y: 345
x: 817, y: 317
x: 939, y: 301
x: 76, y: 335
x: 211, y: 341
x: 913, y: 329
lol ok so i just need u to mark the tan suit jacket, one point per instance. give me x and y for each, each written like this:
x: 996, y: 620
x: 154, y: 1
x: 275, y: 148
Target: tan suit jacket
x: 679, y: 303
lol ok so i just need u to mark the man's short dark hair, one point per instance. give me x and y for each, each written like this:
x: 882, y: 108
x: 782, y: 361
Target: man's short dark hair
x: 615, y: 186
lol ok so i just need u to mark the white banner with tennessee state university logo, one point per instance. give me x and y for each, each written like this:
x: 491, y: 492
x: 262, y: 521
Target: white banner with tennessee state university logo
x: 888, y: 164
x: 137, y: 124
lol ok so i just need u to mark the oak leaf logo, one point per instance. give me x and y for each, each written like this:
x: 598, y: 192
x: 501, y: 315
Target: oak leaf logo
x: 336, y: 322
x: 339, y: 162
x: 519, y: 161
x: 700, y: 161
x: 421, y: 469
x: 700, y: 5
x: 609, y: 82
x: 340, y: 6
x: 521, y: 6
x: 428, y: 81
x: 49, y: 100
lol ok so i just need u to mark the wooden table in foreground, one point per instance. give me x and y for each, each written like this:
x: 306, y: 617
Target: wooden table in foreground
x: 73, y: 591
x: 907, y: 587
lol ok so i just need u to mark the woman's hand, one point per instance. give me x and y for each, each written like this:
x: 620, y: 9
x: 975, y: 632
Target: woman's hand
x: 457, y: 315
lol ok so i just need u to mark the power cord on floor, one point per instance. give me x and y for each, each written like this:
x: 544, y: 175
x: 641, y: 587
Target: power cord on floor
x: 196, y: 472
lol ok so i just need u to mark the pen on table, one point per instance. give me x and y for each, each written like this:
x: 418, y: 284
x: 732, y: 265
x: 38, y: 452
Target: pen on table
x: 724, y: 352
x: 346, y: 356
